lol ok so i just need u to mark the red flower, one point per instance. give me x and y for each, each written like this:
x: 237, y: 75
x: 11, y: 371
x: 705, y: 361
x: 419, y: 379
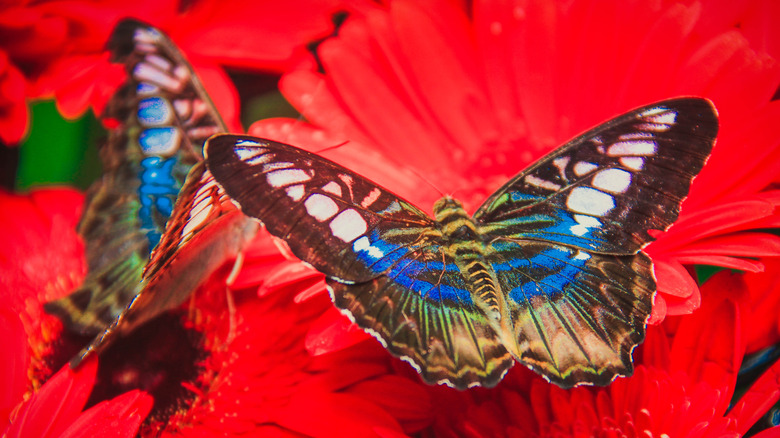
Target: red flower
x: 41, y: 259
x: 469, y: 98
x: 56, y: 49
x: 55, y: 410
x: 465, y: 98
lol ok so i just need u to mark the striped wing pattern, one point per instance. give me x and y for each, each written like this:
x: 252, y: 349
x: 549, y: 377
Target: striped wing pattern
x: 155, y: 198
x: 206, y: 230
x: 159, y: 119
x: 548, y: 272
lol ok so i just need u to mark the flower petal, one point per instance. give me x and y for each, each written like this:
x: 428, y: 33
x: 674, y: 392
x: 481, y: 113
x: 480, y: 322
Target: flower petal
x: 708, y: 344
x: 56, y: 405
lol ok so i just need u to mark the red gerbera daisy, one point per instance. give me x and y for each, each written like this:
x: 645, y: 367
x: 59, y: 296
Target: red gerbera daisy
x: 468, y: 98
x: 56, y: 49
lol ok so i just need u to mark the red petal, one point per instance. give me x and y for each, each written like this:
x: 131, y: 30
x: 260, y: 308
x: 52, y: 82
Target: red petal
x: 371, y: 96
x: 118, y: 417
x: 56, y: 405
x: 764, y: 304
x: 14, y: 363
x: 436, y: 37
x: 332, y: 332
x: 754, y: 403
x: 659, y: 310
x: 711, y: 221
x: 708, y: 344
x: 725, y: 262
x: 673, y: 278
x: 744, y: 244
x: 405, y: 400
x: 333, y: 415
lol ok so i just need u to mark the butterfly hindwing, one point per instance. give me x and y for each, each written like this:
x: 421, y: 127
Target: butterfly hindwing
x: 576, y: 316
x: 605, y: 189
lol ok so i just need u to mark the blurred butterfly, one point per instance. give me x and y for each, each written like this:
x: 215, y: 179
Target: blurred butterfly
x: 549, y: 271
x: 158, y: 120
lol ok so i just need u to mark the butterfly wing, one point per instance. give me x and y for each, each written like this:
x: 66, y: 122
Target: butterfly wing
x: 159, y: 120
x: 206, y: 229
x: 382, y: 256
x: 565, y: 237
x: 605, y: 189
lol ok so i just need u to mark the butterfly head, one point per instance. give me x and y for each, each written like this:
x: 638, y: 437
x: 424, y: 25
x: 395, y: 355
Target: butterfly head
x: 453, y: 220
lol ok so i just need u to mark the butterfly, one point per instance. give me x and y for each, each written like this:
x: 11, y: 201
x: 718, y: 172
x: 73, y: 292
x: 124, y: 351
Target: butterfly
x: 549, y: 271
x: 155, y: 224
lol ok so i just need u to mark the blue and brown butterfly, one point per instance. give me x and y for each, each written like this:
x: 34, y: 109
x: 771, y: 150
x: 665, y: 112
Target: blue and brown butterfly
x: 549, y: 271
x: 155, y: 224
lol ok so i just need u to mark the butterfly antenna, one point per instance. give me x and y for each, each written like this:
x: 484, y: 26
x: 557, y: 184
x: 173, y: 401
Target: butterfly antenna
x: 330, y: 148
x: 426, y: 181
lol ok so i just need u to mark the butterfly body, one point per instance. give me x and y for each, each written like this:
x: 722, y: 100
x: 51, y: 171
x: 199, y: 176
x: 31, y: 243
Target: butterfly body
x: 549, y: 271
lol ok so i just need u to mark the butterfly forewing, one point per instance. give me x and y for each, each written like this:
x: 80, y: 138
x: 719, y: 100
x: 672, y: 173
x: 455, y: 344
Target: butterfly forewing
x: 605, y: 189
x: 317, y: 206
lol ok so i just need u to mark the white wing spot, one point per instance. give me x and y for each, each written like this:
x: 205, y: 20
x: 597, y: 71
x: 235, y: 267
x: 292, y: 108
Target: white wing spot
x: 320, y: 207
x: 286, y: 177
x: 581, y: 255
x: 295, y: 192
x: 261, y: 159
x: 633, y: 163
x: 590, y: 201
x: 244, y: 142
x: 247, y: 153
x: 541, y: 183
x: 332, y: 188
x: 158, y: 61
x: 348, y: 225
x: 583, y: 167
x: 148, y: 72
x: 561, y: 163
x: 636, y: 136
x: 641, y: 147
x: 584, y: 224
x: 363, y: 244
x: 587, y: 221
x: 661, y: 115
x: 371, y: 198
x: 612, y: 180
x: 655, y: 127
x: 201, y: 208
